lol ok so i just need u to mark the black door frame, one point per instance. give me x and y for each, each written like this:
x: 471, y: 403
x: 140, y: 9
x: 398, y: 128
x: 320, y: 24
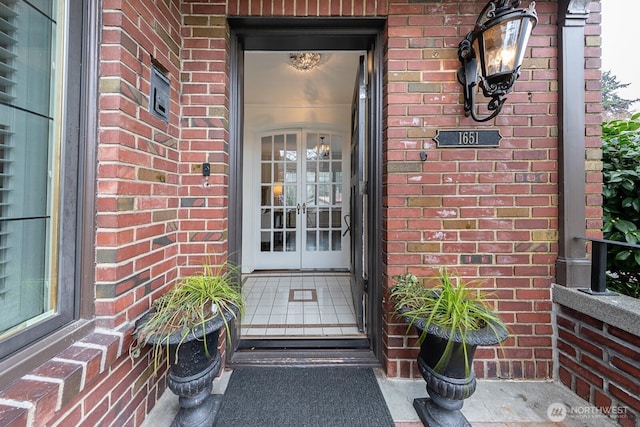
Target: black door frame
x: 295, y: 34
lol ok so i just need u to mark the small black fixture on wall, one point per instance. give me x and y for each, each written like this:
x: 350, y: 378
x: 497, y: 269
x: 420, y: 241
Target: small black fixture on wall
x: 492, y: 53
x: 159, y: 97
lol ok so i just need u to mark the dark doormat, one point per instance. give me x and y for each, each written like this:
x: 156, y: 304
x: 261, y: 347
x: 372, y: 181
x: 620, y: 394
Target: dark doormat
x: 297, y: 397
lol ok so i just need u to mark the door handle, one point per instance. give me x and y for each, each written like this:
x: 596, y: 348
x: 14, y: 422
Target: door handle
x: 298, y: 207
x: 304, y: 208
x: 348, y: 224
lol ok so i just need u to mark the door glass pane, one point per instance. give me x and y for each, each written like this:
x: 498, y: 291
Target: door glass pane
x: 278, y: 147
x: 336, y: 218
x: 291, y: 241
x: 265, y: 196
x: 311, y: 195
x: 323, y: 242
x: 312, y: 221
x: 336, y: 241
x: 278, y: 241
x: 267, y: 148
x: 291, y: 195
x: 312, y: 171
x: 291, y: 175
x: 336, y: 168
x: 291, y: 145
x: 337, y: 194
x: 278, y: 171
x: 265, y: 241
x: 311, y: 241
x: 265, y: 173
x: 278, y: 218
x: 278, y: 198
x: 292, y: 216
x: 312, y: 144
x: 265, y: 219
x: 323, y: 220
x: 324, y: 195
x: 336, y: 147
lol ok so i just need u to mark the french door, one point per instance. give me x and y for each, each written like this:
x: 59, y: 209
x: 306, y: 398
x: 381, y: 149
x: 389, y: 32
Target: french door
x: 301, y: 215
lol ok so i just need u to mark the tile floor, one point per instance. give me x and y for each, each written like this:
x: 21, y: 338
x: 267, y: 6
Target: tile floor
x: 308, y: 305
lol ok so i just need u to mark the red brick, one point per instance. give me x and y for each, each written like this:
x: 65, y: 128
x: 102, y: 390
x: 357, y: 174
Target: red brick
x: 597, y: 337
x: 90, y: 359
x: 41, y: 394
x: 625, y: 397
x: 600, y: 399
x: 578, y: 369
x: 13, y: 416
x: 69, y: 373
x: 583, y: 389
x: 580, y: 343
x: 626, y: 336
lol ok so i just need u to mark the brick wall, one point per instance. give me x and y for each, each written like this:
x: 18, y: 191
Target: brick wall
x: 599, y: 362
x: 593, y: 120
x: 138, y: 160
x: 157, y: 217
x: 497, y: 202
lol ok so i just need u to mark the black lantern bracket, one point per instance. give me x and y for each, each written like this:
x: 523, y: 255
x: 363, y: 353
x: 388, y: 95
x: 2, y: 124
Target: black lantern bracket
x: 492, y: 53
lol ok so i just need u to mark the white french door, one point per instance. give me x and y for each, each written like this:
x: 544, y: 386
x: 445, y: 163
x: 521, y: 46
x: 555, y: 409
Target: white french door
x: 301, y: 215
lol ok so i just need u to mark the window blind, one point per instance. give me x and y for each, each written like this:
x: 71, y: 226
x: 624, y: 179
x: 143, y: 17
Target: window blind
x: 7, y: 83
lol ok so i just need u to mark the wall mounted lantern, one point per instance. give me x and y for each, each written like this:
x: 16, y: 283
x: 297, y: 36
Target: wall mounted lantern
x: 491, y: 54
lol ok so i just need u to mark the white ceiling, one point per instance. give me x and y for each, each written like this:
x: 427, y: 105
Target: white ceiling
x: 271, y: 80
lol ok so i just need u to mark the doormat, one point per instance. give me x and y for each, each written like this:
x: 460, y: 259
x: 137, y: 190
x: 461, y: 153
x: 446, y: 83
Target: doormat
x: 309, y: 397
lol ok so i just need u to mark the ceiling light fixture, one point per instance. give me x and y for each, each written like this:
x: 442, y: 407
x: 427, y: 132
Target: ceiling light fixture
x: 304, y: 61
x: 491, y: 54
x: 322, y: 150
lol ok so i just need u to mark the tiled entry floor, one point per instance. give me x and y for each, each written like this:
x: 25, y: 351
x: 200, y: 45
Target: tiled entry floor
x: 298, y: 305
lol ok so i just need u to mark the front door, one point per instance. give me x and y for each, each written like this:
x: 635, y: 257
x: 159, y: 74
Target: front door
x: 300, y: 216
x: 358, y: 186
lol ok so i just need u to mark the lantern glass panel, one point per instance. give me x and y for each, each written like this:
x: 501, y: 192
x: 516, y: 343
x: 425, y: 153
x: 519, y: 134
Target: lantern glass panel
x: 500, y: 47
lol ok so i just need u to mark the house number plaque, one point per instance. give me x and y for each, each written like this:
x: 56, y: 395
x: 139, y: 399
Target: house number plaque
x: 467, y: 138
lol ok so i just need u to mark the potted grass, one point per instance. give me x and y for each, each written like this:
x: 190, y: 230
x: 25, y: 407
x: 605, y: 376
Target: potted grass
x: 183, y: 328
x: 452, y: 319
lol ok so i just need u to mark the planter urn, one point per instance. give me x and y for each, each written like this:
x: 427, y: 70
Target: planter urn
x: 449, y: 380
x: 192, y: 371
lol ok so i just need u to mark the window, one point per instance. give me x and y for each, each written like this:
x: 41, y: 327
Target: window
x: 38, y: 172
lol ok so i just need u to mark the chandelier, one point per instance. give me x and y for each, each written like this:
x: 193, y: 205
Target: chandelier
x: 322, y: 150
x: 304, y: 61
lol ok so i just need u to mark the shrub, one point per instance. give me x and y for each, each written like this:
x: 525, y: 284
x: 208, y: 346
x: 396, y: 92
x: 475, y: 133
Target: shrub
x: 621, y: 204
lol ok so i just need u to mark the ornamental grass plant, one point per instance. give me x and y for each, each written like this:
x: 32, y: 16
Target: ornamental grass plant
x: 451, y: 308
x: 186, y: 308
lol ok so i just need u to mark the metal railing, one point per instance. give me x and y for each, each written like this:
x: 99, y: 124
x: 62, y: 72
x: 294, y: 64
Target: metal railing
x: 599, y: 248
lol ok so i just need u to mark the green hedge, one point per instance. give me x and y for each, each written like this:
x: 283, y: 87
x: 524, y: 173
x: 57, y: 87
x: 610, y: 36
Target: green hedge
x: 621, y: 204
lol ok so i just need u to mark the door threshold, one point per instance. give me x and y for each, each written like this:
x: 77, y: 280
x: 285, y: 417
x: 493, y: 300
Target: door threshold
x: 305, y: 358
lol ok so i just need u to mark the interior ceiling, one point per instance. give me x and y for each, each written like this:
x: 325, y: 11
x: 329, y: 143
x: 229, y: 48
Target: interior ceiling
x: 270, y: 79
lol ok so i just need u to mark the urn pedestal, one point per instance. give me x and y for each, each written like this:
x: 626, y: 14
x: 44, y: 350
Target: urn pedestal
x: 450, y: 378
x: 194, y: 363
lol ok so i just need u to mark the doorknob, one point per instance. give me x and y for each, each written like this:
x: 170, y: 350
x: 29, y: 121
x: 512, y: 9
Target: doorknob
x: 304, y: 208
x: 298, y: 207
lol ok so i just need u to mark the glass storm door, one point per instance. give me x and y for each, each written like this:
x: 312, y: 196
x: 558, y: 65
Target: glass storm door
x: 301, y: 205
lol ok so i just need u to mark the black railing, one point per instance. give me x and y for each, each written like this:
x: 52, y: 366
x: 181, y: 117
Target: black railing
x: 599, y: 248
